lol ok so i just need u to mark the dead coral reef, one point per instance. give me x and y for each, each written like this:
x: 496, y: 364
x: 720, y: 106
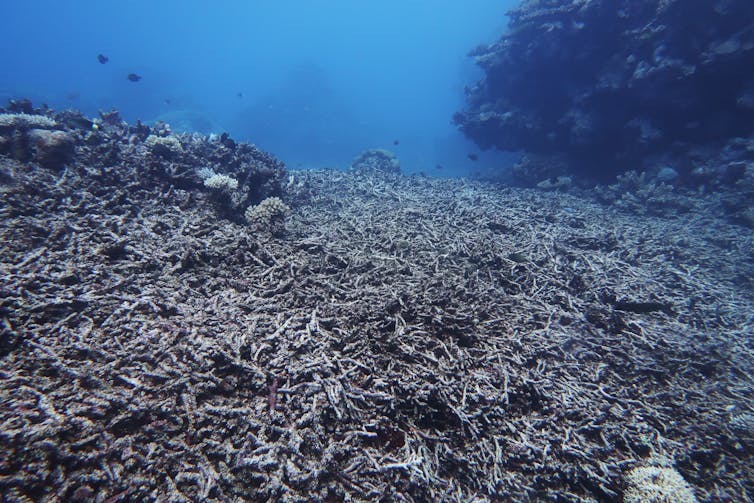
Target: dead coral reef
x: 105, y: 144
x: 406, y: 339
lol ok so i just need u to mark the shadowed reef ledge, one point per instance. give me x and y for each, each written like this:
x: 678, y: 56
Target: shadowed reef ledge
x: 597, y: 88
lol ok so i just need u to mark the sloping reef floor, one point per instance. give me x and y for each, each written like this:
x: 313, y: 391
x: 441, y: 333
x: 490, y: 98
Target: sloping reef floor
x: 401, y: 339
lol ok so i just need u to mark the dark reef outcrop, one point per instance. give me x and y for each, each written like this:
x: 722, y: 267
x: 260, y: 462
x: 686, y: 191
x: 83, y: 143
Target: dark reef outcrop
x: 608, y: 86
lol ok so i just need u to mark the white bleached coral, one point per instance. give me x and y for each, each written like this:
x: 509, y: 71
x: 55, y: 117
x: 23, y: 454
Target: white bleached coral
x: 221, y: 182
x: 214, y: 180
x: 205, y: 173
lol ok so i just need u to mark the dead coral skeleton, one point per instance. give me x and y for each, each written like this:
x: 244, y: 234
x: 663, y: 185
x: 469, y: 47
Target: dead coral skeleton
x: 431, y: 340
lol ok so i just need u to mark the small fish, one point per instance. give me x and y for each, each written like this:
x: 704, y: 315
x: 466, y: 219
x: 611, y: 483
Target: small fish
x: 396, y: 142
x: 473, y: 157
x: 72, y: 96
x: 167, y: 101
x: 240, y: 95
x: 439, y: 166
x: 133, y: 77
x: 81, y: 123
x: 102, y: 59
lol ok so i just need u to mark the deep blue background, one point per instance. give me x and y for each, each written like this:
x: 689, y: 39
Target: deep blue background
x: 314, y: 82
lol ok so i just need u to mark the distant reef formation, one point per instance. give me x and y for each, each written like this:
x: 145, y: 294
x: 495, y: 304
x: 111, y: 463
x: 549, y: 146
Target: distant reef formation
x: 597, y: 88
x: 107, y: 152
x: 379, y: 160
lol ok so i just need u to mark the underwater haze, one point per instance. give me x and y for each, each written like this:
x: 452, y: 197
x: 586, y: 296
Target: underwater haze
x: 315, y: 83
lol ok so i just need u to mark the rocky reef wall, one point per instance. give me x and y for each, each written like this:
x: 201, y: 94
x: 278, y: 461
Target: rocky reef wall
x: 608, y: 85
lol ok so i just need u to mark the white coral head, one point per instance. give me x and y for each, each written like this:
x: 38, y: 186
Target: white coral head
x: 221, y: 182
x: 657, y: 484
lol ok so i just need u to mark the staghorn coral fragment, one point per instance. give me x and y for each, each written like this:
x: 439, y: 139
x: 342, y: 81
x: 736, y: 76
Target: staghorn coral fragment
x: 221, y: 182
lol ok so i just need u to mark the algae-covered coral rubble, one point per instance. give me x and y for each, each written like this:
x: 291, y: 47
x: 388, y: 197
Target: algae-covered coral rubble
x: 607, y: 83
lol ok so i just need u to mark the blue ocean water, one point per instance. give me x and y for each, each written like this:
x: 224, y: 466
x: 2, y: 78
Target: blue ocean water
x: 314, y: 83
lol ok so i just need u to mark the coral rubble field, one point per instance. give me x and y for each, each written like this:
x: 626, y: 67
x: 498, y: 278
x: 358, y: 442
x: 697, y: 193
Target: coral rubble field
x: 365, y: 336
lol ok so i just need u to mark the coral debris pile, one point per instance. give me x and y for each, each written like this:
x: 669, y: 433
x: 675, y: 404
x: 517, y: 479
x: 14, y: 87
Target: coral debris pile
x: 397, y: 339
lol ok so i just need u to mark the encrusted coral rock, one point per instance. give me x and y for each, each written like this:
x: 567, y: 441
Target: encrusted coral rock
x: 269, y: 214
x: 166, y: 146
x: 657, y: 484
x: 640, y: 194
x: 28, y: 137
x: 51, y: 149
x: 377, y: 160
x: 111, y: 118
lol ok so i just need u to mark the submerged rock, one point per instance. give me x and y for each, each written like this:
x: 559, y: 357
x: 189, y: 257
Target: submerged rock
x: 608, y: 84
x: 558, y: 182
x: 667, y: 174
x: 51, y: 149
x: 377, y: 160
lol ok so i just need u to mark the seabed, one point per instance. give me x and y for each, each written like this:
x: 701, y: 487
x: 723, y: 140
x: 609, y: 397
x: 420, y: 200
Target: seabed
x: 397, y: 339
